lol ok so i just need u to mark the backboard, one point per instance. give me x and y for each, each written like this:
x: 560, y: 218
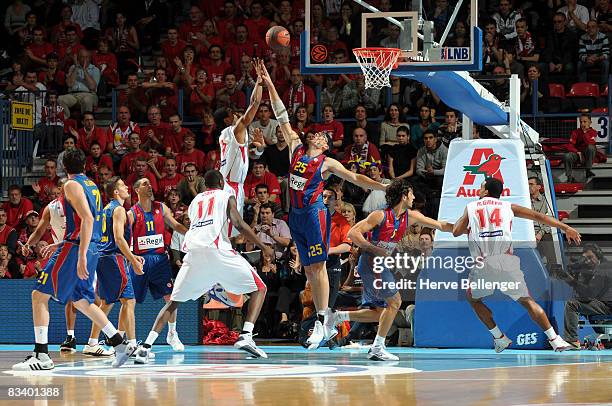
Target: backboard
x: 444, y: 36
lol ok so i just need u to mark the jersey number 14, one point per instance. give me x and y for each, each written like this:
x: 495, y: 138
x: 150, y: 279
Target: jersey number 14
x: 494, y: 218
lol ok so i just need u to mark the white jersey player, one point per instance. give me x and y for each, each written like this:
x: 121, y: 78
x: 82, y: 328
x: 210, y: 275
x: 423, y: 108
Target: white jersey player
x: 234, y: 143
x: 488, y: 223
x: 211, y: 261
x: 57, y: 219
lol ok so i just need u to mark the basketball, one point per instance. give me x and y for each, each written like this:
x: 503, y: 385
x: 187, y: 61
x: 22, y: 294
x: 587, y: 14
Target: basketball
x: 278, y: 37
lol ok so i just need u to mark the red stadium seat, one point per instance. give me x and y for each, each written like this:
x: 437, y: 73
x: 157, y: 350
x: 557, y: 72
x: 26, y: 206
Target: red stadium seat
x: 556, y: 90
x: 584, y: 89
x: 568, y: 188
x: 563, y: 215
x: 600, y: 110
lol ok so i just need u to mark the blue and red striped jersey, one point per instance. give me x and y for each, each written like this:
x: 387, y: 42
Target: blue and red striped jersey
x: 94, y: 201
x: 306, y: 181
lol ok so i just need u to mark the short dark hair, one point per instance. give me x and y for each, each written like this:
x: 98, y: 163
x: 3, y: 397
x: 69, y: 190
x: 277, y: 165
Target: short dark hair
x: 537, y: 179
x: 74, y: 161
x: 594, y: 248
x: 261, y: 186
x: 396, y: 190
x: 267, y: 206
x: 403, y: 128
x: 139, y: 182
x: 429, y: 132
x: 14, y: 187
x: 330, y: 188
x: 111, y: 185
x: 494, y: 186
x: 213, y: 179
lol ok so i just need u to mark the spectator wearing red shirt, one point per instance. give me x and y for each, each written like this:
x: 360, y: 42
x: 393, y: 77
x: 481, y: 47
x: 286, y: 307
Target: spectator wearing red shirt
x: 229, y: 96
x: 186, y: 68
x: 242, y: 45
x: 163, y: 93
x: 173, y: 46
x: 156, y: 163
x: 301, y: 122
x: 170, y: 179
x: 361, y: 150
x: 524, y: 46
x: 581, y: 148
x: 106, y: 61
x: 281, y: 70
x: 45, y: 185
x: 189, y: 29
x: 229, y: 23
x: 35, y: 265
x: 105, y: 173
x: 298, y: 93
x: 17, y: 207
x: 140, y: 171
x: 202, y: 94
x: 176, y: 136
x: 295, y: 44
x: 90, y: 133
x: 8, y: 235
x: 190, y: 155
x: 207, y: 38
x: 259, y: 175
x: 9, y: 269
x: 117, y: 135
x: 257, y: 23
x: 32, y: 219
x: 53, y: 77
x: 95, y: 160
x: 134, y: 97
x: 155, y: 134
x: 330, y: 126
x: 38, y: 50
x: 68, y: 53
x: 216, y: 67
x: 333, y: 41
x: 58, y: 33
x: 128, y: 161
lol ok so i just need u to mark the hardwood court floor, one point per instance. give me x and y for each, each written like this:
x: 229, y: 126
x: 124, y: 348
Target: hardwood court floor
x: 293, y: 376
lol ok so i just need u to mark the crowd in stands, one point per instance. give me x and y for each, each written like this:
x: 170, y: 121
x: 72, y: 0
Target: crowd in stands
x: 67, y: 55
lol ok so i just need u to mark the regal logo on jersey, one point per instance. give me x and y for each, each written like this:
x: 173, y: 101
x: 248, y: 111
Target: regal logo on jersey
x: 484, y: 162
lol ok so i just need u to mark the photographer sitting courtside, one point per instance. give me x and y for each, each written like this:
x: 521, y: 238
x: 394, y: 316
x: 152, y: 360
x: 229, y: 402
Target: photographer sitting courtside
x: 591, y: 278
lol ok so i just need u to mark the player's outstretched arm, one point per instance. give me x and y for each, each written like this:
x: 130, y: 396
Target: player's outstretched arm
x: 240, y: 131
x: 523, y: 212
x: 339, y: 170
x: 280, y: 111
x: 243, y: 227
x: 358, y: 230
x: 419, y: 218
x: 461, y: 226
x: 43, y: 224
x: 119, y: 219
x: 76, y: 197
x: 171, y: 222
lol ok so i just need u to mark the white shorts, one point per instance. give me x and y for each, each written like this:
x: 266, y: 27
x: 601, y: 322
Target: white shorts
x: 204, y: 267
x: 502, y: 271
x: 237, y: 190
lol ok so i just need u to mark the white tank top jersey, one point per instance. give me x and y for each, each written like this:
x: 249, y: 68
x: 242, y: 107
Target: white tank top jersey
x: 57, y: 220
x: 209, y: 221
x: 490, y: 227
x: 234, y: 157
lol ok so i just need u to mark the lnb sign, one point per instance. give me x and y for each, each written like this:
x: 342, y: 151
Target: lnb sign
x: 22, y: 116
x: 453, y: 54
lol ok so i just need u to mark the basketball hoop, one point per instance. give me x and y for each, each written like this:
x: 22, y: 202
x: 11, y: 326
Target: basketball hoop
x: 376, y: 64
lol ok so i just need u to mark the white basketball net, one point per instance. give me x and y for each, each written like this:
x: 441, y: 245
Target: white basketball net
x: 377, y: 64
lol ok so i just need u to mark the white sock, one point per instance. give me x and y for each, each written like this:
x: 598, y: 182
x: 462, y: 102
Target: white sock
x: 496, y: 332
x: 551, y: 334
x: 109, y: 330
x: 133, y: 342
x: 171, y: 327
x: 379, y: 341
x: 322, y: 312
x: 248, y: 327
x: 41, y: 334
x: 343, y: 316
x: 71, y: 333
x: 151, y: 338
x: 92, y: 341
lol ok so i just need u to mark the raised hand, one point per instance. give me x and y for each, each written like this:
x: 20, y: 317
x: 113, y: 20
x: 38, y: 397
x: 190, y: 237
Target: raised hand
x: 258, y: 138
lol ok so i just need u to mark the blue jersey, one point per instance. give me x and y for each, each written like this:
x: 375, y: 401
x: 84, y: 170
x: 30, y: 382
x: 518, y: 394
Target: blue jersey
x: 306, y: 181
x: 148, y: 229
x: 108, y: 244
x: 94, y: 201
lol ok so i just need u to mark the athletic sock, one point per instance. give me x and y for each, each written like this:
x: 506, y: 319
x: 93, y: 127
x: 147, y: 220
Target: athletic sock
x: 151, y: 339
x: 342, y: 316
x: 171, y: 327
x: 247, y: 328
x: 71, y: 333
x: 110, y: 330
x: 379, y: 341
x: 115, y: 340
x: 551, y: 334
x: 92, y: 341
x: 321, y: 316
x: 133, y: 342
x: 496, y: 332
x: 41, y: 334
x: 41, y: 348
